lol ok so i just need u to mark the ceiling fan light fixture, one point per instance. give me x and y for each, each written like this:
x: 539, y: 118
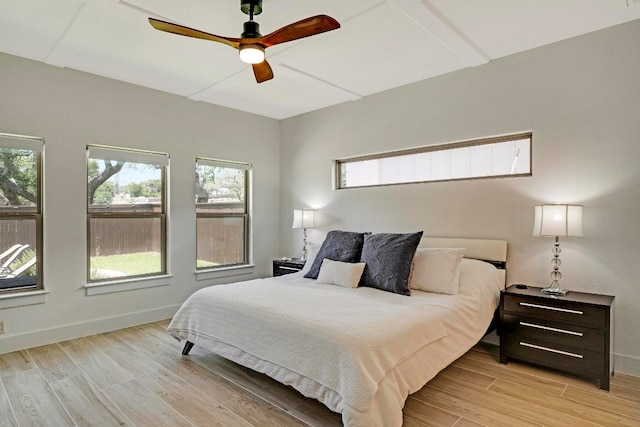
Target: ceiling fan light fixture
x: 251, y: 53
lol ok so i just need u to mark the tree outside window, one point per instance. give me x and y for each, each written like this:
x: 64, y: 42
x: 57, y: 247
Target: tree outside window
x: 20, y: 212
x: 126, y: 210
x: 222, y: 213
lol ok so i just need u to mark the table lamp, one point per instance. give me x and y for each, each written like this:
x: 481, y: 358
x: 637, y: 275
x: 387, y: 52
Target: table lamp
x: 304, y: 218
x: 557, y: 221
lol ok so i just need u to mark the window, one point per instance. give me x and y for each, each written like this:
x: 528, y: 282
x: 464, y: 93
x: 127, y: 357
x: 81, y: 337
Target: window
x: 126, y: 213
x: 490, y: 157
x: 222, y: 214
x: 20, y: 213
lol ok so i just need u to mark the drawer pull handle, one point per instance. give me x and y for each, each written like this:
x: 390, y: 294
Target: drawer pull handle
x: 282, y: 267
x: 545, y: 307
x: 548, y: 328
x: 552, y: 350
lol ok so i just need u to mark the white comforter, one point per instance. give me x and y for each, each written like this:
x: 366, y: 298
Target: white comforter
x: 338, y: 345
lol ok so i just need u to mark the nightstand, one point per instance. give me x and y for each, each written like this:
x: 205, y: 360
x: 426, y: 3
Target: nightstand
x: 281, y: 267
x: 571, y: 333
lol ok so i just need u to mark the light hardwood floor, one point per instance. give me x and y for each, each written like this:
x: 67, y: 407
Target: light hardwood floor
x: 137, y: 377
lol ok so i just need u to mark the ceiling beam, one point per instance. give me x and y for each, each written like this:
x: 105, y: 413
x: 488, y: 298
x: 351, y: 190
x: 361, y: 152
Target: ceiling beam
x: 432, y: 21
x: 88, y: 18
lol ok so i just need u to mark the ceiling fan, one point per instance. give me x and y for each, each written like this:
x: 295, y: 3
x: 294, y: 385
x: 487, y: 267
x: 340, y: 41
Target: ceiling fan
x: 251, y: 43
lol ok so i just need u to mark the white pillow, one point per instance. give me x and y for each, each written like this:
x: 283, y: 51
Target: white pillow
x: 345, y: 274
x: 312, y: 251
x: 476, y: 276
x: 436, y: 270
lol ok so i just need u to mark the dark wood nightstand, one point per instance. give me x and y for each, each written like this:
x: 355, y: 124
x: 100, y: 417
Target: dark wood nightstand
x: 571, y: 333
x: 281, y: 267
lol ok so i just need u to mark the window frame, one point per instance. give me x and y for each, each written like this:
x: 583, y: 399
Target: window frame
x: 338, y: 185
x: 37, y: 145
x: 109, y: 214
x: 247, y: 168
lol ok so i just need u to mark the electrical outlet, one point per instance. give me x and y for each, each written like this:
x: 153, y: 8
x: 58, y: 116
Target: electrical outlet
x: 1, y: 326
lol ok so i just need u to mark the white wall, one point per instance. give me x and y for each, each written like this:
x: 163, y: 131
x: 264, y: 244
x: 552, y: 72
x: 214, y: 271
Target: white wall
x: 71, y: 109
x: 581, y: 99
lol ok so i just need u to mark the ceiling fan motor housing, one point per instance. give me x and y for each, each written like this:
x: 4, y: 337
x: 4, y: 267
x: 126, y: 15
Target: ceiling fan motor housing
x: 251, y: 30
x: 251, y: 7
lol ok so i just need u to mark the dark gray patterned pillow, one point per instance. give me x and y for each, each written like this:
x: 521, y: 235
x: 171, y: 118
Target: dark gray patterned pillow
x: 388, y: 257
x: 345, y: 246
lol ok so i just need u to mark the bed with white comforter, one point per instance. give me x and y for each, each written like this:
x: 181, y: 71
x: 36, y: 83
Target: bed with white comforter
x: 359, y: 351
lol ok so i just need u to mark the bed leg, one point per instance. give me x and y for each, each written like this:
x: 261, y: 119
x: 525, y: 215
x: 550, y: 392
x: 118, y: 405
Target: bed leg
x: 187, y: 348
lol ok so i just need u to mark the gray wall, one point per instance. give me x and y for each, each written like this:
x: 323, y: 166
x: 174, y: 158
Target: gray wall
x: 580, y: 98
x: 71, y: 109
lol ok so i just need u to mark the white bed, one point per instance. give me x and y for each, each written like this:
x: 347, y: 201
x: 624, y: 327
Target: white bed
x: 359, y: 351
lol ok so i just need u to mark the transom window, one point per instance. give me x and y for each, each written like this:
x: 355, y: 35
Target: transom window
x: 503, y: 156
x: 222, y: 213
x: 126, y: 213
x: 20, y: 213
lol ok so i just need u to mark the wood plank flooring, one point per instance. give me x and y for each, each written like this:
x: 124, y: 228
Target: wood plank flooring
x: 137, y: 377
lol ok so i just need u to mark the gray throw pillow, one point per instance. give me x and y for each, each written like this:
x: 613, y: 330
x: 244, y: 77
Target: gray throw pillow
x: 388, y: 257
x: 344, y: 246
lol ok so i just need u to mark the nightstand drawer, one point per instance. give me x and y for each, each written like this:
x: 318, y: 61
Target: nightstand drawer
x: 281, y: 267
x: 556, y: 310
x: 553, y: 332
x: 578, y: 361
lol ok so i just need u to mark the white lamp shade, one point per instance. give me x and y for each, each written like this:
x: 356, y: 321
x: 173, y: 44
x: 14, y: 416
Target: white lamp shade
x: 304, y: 218
x: 558, y: 220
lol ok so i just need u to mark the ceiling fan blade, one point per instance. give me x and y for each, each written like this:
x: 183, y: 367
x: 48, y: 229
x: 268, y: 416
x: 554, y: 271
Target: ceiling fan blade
x: 262, y: 71
x: 304, y: 28
x: 190, y: 32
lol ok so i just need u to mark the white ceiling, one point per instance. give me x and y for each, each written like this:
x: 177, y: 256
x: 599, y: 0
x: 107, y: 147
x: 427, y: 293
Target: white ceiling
x: 382, y: 44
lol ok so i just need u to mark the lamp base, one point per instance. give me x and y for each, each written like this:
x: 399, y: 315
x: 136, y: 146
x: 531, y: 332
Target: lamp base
x: 555, y: 291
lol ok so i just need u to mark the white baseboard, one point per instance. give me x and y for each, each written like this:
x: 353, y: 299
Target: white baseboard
x: 628, y: 365
x: 67, y: 332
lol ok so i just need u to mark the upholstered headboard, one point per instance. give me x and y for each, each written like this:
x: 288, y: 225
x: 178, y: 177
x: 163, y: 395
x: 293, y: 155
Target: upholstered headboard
x: 492, y: 251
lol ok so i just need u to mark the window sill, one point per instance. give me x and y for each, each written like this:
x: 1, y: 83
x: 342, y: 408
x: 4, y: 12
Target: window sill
x: 23, y: 298
x: 126, y: 285
x: 218, y: 273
